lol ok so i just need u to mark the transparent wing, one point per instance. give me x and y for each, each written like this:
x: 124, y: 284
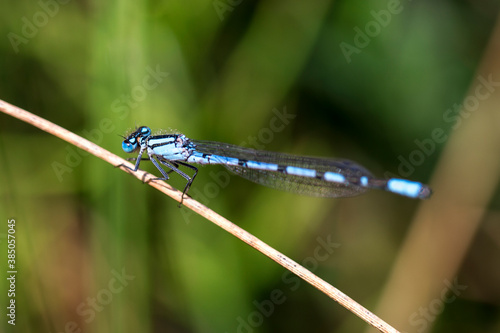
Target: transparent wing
x: 282, y: 181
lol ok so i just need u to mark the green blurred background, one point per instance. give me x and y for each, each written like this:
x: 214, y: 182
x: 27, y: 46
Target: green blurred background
x: 286, y: 76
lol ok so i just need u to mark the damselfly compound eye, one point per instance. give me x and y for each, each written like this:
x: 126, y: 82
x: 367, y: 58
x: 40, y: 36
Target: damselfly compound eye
x: 129, y: 146
x: 144, y: 130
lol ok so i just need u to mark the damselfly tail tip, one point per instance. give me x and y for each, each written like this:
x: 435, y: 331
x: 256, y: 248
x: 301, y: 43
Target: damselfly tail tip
x: 425, y: 192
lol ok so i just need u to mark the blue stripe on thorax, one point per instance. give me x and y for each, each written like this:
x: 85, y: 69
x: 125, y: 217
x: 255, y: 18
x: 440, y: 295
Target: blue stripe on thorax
x: 165, y: 146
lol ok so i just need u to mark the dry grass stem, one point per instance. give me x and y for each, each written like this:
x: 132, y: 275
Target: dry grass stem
x: 202, y: 210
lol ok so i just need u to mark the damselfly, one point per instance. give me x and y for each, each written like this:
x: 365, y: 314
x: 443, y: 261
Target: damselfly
x: 300, y: 174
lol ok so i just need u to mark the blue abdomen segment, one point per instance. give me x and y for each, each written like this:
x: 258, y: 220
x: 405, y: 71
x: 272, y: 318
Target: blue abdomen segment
x: 301, y: 172
x: 408, y: 188
x: 334, y: 177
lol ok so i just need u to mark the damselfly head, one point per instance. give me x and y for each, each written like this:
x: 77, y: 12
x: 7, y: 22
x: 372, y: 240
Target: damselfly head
x: 130, y: 143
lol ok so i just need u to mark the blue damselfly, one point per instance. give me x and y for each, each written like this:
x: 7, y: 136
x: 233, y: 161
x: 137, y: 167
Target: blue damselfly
x: 300, y: 174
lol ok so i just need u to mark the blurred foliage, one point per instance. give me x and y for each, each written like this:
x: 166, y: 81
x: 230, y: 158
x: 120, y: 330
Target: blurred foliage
x: 228, y: 71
